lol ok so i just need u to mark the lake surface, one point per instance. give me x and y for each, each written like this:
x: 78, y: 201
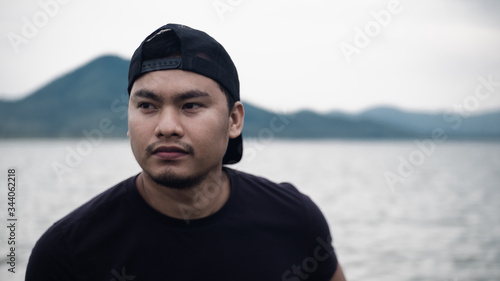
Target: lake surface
x: 397, y: 210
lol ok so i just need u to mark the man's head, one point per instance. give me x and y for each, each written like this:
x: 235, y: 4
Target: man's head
x: 178, y: 78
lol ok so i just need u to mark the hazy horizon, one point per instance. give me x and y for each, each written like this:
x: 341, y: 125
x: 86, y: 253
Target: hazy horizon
x: 291, y: 55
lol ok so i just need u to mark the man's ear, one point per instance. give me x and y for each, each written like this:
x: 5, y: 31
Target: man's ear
x: 236, y: 120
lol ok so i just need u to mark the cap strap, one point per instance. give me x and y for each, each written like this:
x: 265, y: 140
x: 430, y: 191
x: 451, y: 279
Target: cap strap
x: 160, y: 64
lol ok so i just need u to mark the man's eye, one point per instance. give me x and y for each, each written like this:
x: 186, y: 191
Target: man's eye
x: 191, y: 106
x: 145, y: 105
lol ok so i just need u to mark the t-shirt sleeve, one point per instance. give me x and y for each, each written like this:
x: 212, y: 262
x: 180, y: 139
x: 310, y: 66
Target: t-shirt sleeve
x: 322, y: 260
x: 50, y: 259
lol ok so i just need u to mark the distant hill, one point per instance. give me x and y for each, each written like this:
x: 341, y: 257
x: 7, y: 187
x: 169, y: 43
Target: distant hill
x: 69, y: 104
x: 452, y: 123
x: 94, y: 97
x: 309, y: 124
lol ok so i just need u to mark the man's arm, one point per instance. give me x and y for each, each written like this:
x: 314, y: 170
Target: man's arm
x: 339, y: 274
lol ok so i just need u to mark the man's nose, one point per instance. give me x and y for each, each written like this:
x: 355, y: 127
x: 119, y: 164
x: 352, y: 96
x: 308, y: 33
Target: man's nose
x: 169, y: 124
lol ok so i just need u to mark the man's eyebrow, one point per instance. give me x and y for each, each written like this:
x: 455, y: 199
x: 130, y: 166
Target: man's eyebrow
x: 146, y: 94
x: 191, y: 94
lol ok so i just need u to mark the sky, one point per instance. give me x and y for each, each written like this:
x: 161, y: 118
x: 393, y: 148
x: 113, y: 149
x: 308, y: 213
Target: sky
x: 322, y: 55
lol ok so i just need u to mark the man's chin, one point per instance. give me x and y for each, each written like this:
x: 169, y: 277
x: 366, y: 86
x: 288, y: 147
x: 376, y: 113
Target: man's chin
x: 173, y: 180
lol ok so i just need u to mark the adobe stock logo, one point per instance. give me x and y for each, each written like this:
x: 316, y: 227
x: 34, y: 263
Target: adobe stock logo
x: 223, y: 6
x: 39, y: 19
x: 93, y: 138
x: 121, y: 276
x: 485, y: 88
x: 309, y: 265
x: 363, y: 37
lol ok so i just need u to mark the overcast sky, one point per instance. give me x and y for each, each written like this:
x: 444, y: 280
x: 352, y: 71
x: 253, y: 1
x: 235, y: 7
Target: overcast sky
x: 316, y: 54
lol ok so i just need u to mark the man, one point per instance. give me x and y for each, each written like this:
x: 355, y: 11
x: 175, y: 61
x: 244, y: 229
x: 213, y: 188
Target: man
x: 186, y: 216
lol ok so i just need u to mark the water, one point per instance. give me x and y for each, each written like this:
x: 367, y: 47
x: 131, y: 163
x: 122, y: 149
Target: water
x: 439, y: 221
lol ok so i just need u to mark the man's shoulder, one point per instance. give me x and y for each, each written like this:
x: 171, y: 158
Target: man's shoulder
x: 259, y: 182
x: 276, y: 204
x: 79, y: 231
x: 254, y: 187
x: 99, y: 206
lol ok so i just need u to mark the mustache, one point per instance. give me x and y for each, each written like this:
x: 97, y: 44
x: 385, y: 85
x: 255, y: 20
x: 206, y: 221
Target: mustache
x: 152, y: 147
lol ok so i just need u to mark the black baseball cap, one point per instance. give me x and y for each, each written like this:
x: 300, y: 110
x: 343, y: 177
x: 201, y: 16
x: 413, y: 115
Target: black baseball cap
x: 194, y: 51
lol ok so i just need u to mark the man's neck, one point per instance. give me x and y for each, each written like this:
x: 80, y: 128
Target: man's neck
x: 188, y: 204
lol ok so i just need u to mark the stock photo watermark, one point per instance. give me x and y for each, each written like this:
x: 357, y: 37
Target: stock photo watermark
x: 277, y: 124
x: 31, y: 26
x: 204, y: 196
x: 222, y: 7
x: 427, y: 147
x: 74, y: 156
x: 121, y: 276
x: 11, y: 221
x: 483, y: 91
x: 309, y: 265
x: 373, y: 28
x: 416, y: 158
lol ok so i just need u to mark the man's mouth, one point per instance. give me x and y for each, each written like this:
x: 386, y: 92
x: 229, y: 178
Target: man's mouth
x: 171, y: 152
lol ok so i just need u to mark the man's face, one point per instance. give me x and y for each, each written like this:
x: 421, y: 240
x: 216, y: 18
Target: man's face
x: 179, y: 126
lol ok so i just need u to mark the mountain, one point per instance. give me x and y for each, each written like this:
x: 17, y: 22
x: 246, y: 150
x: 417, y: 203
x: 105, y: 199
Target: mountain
x: 309, y: 124
x: 464, y: 124
x: 93, y: 99
x: 76, y: 101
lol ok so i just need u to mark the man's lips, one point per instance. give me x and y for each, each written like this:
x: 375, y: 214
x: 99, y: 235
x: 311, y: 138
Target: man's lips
x: 169, y: 152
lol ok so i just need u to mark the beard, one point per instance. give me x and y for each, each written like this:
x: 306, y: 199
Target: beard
x: 170, y: 179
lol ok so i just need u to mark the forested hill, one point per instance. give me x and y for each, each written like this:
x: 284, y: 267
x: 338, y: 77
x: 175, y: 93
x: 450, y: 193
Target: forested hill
x: 94, y: 97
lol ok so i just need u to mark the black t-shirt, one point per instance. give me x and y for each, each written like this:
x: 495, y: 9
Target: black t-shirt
x: 265, y: 231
